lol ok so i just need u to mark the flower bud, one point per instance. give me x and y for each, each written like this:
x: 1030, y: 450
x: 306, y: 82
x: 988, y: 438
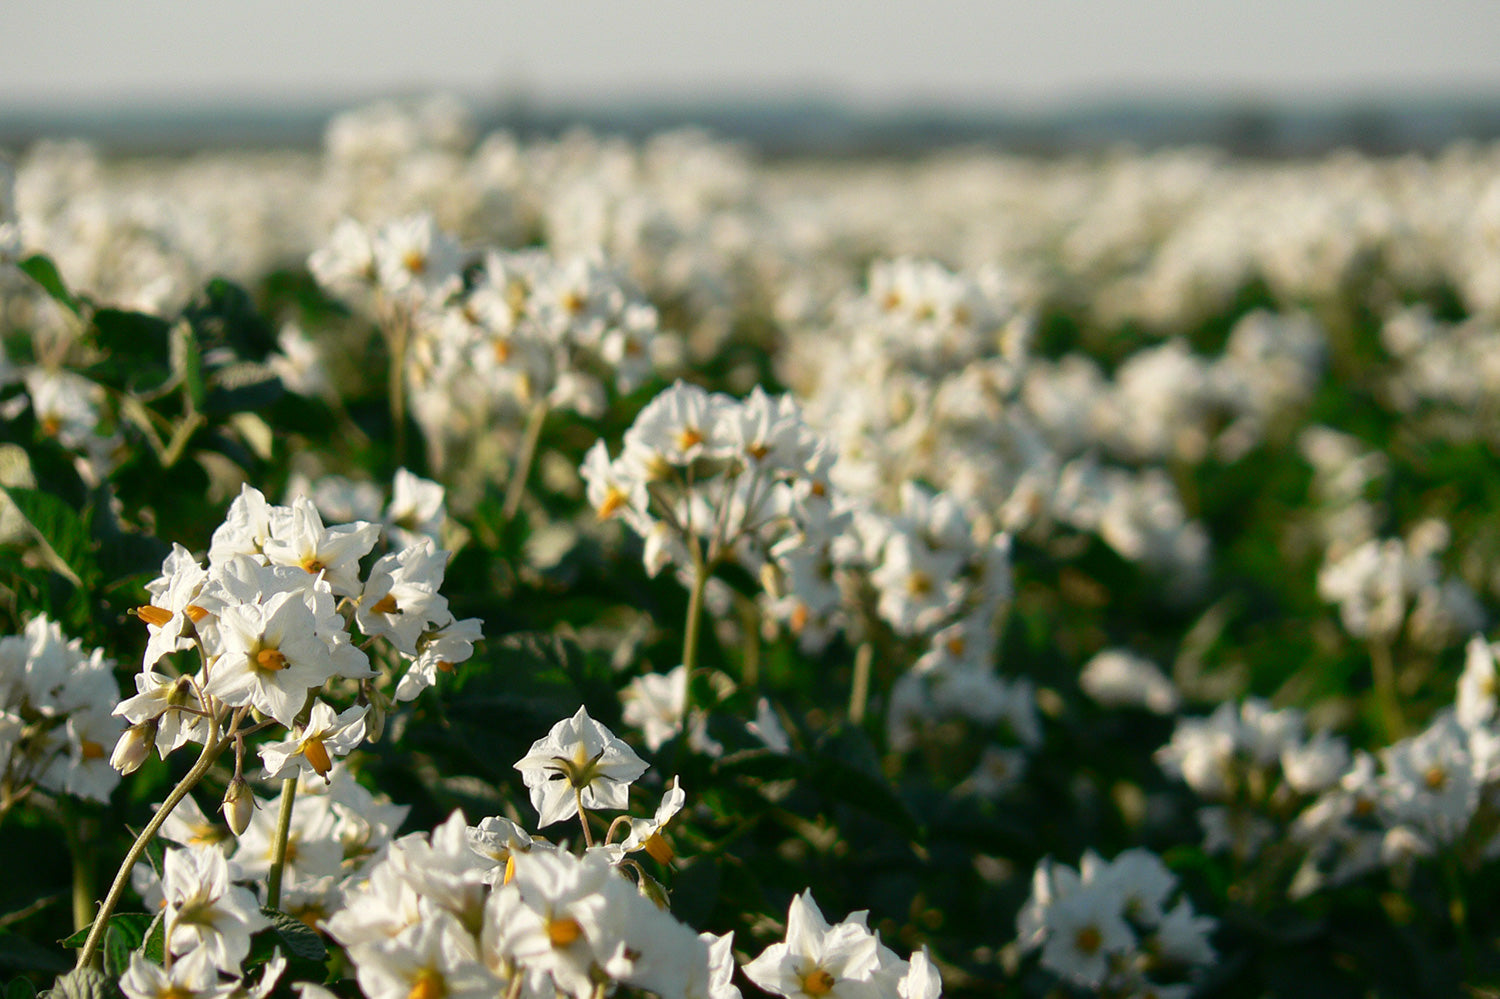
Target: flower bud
x: 238, y: 804
x: 134, y: 746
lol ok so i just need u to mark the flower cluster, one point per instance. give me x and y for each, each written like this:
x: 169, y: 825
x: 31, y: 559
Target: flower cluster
x: 1257, y: 765
x: 55, y: 721
x: 1112, y: 926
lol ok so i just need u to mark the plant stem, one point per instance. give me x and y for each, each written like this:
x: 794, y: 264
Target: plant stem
x: 212, y: 747
x: 701, y: 572
x: 521, y: 471
x: 83, y: 866
x: 397, y: 330
x: 859, y: 690
x: 278, y: 846
x: 1388, y: 698
x: 583, y: 817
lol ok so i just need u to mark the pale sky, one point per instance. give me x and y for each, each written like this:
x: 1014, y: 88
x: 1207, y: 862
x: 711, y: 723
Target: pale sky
x: 1040, y: 53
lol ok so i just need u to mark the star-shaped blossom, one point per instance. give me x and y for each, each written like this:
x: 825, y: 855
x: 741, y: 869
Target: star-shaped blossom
x: 579, y: 759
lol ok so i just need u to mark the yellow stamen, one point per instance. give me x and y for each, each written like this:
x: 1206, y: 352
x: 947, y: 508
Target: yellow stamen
x: 312, y: 565
x: 153, y: 615
x: 1435, y: 778
x: 613, y: 500
x: 510, y: 868
x: 562, y: 932
x: 818, y: 982
x: 428, y: 984
x: 385, y: 605
x: 1088, y: 940
x: 659, y: 849
x: 270, y: 659
x: 415, y: 261
x: 317, y: 755
x: 195, y: 613
x: 688, y: 437
x: 90, y: 750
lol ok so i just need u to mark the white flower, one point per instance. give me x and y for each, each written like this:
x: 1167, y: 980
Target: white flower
x: 656, y: 703
x: 400, y: 601
x: 645, y: 834
x: 325, y: 737
x: 332, y: 552
x: 1477, y: 684
x: 818, y: 960
x: 1085, y: 930
x: 578, y: 758
x: 1117, y: 678
x: 206, y: 910
x: 273, y: 655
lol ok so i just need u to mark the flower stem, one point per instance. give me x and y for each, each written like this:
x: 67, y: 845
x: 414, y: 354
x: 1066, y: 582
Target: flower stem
x: 859, y: 690
x: 278, y: 846
x: 583, y: 817
x: 701, y: 572
x: 521, y: 471
x: 1386, y: 695
x: 212, y: 747
x: 397, y: 333
x: 83, y: 867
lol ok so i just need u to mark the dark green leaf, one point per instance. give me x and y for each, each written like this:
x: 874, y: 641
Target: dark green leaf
x: 240, y: 389
x: 127, y: 930
x: 64, y: 532
x: 299, y: 938
x: 43, y: 271
x: 137, y: 349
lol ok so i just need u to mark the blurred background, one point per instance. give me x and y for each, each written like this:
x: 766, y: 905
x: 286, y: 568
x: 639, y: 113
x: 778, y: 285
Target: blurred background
x: 838, y: 77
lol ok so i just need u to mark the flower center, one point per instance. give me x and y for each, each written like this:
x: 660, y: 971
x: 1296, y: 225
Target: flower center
x: 563, y: 932
x: 614, y: 498
x: 1088, y: 940
x: 688, y: 437
x: 428, y: 984
x: 818, y: 982
x: 312, y: 564
x: 90, y: 750
x: 270, y: 659
x: 919, y: 584
x: 415, y: 261
x: 1435, y: 778
x: 386, y: 605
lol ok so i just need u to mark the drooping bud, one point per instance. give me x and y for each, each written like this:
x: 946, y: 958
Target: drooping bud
x: 238, y: 804
x: 133, y: 747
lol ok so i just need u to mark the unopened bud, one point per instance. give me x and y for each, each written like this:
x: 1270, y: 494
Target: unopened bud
x: 239, y: 803
x: 653, y: 889
x: 134, y: 746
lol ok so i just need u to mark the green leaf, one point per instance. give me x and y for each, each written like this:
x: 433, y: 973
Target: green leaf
x: 300, y: 939
x: 188, y: 360
x: 43, y: 271
x: 136, y: 346
x: 153, y: 948
x: 127, y: 931
x: 83, y: 983
x: 20, y: 988
x: 63, y: 533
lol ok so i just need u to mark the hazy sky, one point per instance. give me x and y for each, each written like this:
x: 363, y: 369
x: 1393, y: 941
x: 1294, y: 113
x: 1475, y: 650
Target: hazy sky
x: 1036, y: 53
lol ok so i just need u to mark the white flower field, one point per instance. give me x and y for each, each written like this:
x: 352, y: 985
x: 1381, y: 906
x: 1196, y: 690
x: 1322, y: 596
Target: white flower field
x: 442, y: 565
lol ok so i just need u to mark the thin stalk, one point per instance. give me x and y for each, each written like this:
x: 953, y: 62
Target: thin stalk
x: 701, y: 572
x: 859, y: 690
x: 1386, y: 694
x: 212, y: 747
x: 516, y: 488
x: 583, y: 817
x: 278, y: 846
x: 397, y: 333
x: 83, y: 867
